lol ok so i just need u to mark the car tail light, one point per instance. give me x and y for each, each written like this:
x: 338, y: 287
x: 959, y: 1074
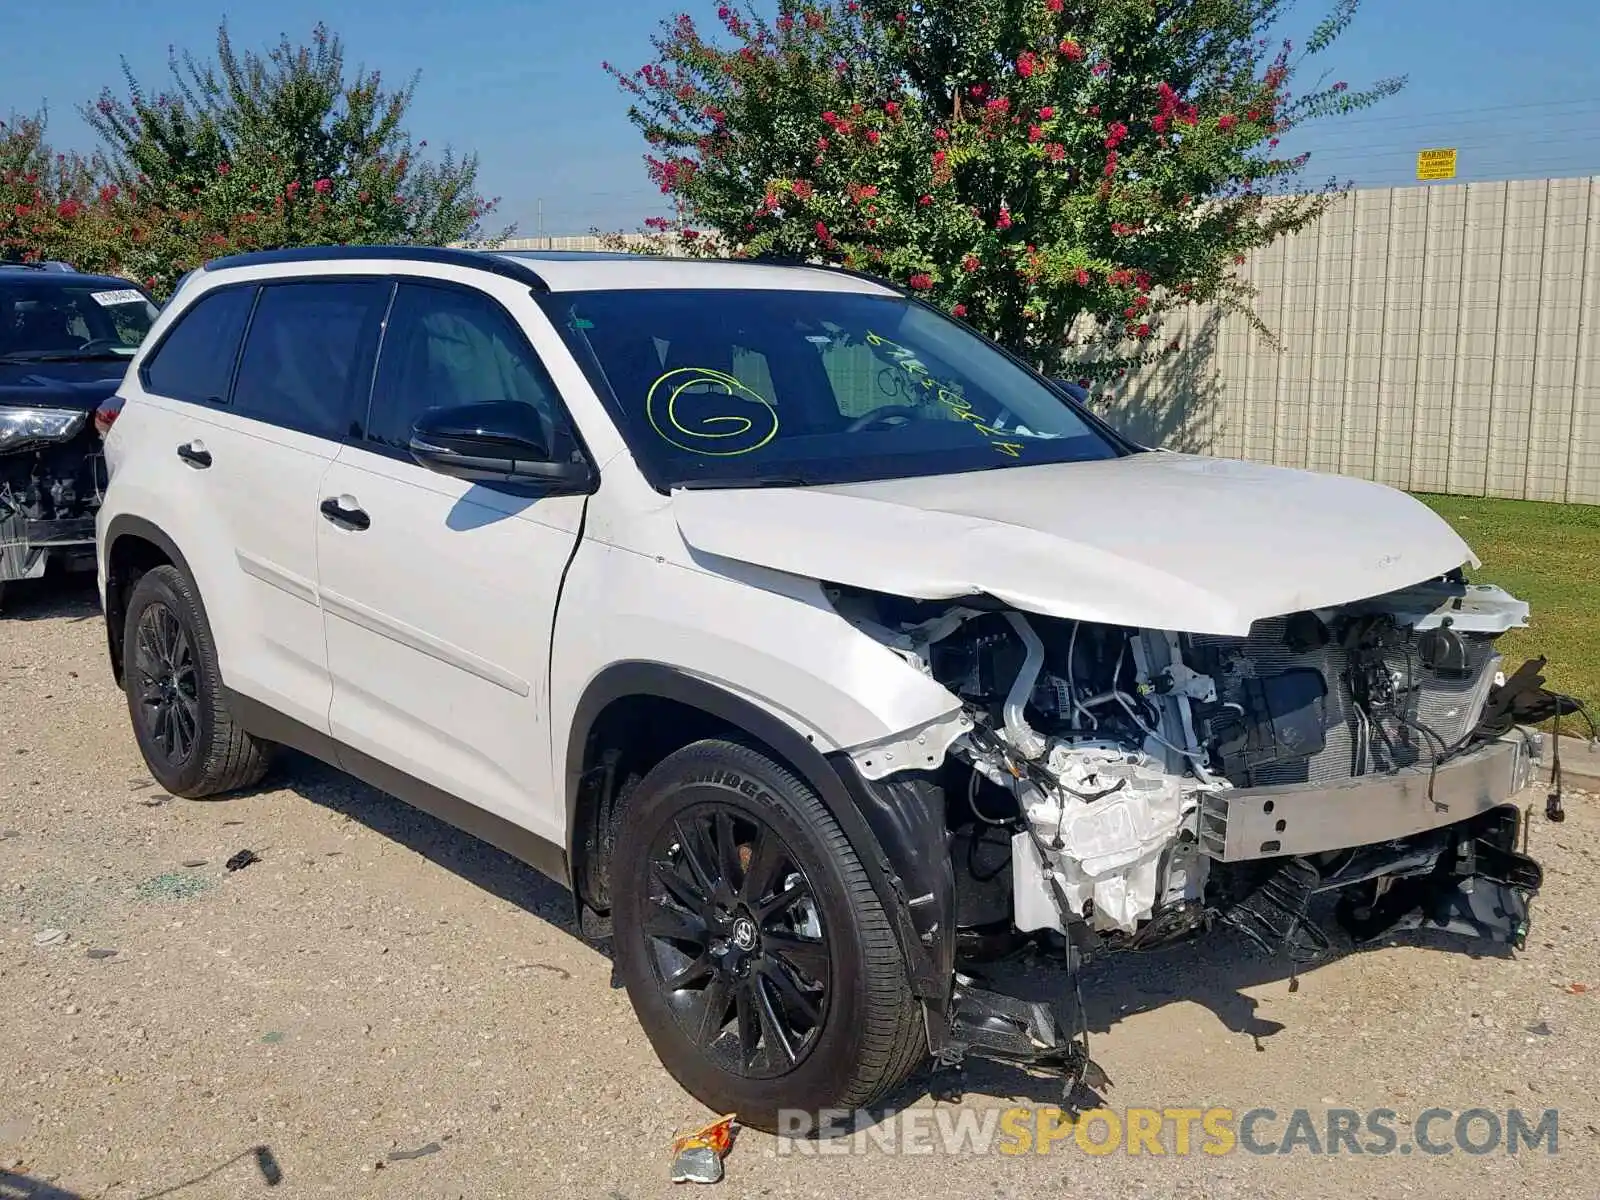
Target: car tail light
x: 106, y: 415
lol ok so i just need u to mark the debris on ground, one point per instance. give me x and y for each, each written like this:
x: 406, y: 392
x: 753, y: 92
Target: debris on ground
x: 99, y: 953
x: 268, y: 1166
x: 1542, y: 1028
x: 49, y: 937
x: 242, y: 860
x: 419, y: 1152
x: 697, y: 1157
x: 193, y: 862
x: 1577, y: 989
x: 172, y: 885
x: 273, y: 1038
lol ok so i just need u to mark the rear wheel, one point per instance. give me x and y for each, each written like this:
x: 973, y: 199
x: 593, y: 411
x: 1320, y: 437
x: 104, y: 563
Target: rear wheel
x: 189, y: 740
x: 756, y: 953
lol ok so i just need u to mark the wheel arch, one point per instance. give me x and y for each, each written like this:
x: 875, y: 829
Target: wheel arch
x: 894, y: 826
x: 133, y: 546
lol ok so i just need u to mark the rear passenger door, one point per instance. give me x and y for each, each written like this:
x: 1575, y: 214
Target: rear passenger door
x: 439, y: 594
x: 251, y: 444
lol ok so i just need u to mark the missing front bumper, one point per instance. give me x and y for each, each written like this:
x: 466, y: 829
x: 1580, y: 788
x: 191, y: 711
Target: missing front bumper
x: 1467, y: 879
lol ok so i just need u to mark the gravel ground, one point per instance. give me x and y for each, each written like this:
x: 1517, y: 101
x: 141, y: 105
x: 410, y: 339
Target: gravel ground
x: 379, y: 985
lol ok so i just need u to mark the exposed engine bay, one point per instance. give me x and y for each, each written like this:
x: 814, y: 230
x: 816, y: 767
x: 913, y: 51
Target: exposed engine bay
x: 1093, y: 791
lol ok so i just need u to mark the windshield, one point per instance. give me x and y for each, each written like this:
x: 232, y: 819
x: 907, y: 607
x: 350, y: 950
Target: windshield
x: 733, y: 387
x: 45, y: 320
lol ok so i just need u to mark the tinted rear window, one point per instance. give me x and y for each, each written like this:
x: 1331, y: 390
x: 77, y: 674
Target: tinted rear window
x: 195, y: 360
x: 308, y: 359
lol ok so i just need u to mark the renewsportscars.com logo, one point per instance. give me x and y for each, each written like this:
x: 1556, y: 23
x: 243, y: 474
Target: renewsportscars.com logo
x: 1167, y: 1131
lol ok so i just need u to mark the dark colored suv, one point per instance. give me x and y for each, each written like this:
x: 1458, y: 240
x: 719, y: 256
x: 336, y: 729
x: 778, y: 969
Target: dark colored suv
x: 65, y: 342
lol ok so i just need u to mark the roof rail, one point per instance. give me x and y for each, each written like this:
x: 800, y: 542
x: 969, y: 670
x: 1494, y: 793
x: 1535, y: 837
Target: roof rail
x: 786, y: 260
x: 476, y: 260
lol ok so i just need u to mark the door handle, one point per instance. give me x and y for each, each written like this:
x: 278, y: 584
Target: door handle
x: 345, y: 513
x: 195, y: 454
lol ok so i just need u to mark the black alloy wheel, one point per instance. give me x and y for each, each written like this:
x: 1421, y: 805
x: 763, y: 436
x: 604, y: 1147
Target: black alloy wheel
x: 736, y: 941
x: 167, y: 683
x: 757, y: 954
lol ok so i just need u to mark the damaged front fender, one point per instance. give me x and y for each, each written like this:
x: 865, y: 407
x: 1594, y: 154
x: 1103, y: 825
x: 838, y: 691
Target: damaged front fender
x: 907, y: 818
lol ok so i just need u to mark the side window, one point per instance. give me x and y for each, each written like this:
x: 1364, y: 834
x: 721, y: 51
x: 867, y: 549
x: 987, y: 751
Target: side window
x: 308, y: 359
x: 446, y: 347
x: 195, y: 361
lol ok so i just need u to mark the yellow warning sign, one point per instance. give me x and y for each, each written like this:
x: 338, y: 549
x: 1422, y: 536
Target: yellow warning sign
x: 1436, y: 164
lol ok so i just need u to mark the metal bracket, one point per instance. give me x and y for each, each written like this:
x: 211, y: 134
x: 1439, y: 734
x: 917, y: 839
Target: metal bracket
x: 918, y: 749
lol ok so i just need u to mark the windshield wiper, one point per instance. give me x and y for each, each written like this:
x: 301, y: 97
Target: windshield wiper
x: 751, y: 481
x: 34, y: 356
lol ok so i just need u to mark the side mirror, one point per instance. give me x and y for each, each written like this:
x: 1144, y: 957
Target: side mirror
x: 502, y: 442
x: 1077, y: 392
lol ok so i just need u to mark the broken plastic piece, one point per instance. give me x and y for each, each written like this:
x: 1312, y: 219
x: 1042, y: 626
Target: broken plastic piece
x: 1274, y: 915
x: 268, y: 1166
x: 419, y: 1152
x: 697, y: 1157
x: 242, y: 860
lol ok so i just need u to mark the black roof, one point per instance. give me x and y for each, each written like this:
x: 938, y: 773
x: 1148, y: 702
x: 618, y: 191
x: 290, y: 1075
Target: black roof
x: 477, y: 260
x: 514, y: 264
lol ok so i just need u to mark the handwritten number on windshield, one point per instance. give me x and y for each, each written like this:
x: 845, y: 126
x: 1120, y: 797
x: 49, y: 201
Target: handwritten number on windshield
x: 954, y: 401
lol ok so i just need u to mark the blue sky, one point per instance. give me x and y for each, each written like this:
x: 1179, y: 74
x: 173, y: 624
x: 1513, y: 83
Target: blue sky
x: 1514, y: 86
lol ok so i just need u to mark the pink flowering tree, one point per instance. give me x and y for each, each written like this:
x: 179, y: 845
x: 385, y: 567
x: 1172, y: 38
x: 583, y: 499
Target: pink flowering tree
x: 1059, y: 173
x: 255, y: 151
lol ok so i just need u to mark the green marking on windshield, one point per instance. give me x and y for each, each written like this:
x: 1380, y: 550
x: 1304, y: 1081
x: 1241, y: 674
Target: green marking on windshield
x: 951, y: 399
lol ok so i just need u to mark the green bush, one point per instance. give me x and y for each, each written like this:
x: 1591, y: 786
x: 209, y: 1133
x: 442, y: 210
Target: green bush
x: 244, y: 152
x: 1021, y: 163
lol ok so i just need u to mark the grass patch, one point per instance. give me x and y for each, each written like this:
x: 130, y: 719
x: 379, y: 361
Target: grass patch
x: 1548, y: 555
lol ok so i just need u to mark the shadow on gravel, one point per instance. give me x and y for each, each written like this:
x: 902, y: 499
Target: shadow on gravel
x: 1213, y: 970
x: 25, y: 1187
x: 72, y: 597
x: 477, y: 862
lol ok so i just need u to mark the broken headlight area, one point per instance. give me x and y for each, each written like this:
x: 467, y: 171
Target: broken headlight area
x: 49, y: 494
x: 1117, y: 788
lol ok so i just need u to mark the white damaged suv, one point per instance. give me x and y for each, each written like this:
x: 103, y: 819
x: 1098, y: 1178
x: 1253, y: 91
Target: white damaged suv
x: 821, y: 647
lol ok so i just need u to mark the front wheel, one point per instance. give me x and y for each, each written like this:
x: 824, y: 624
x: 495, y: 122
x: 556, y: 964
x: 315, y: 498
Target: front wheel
x: 757, y: 955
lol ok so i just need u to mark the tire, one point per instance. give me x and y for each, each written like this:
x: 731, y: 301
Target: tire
x: 170, y: 667
x: 819, y: 1014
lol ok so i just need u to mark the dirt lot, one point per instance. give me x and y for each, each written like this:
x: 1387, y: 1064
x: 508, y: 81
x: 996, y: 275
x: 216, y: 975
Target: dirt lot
x: 379, y: 983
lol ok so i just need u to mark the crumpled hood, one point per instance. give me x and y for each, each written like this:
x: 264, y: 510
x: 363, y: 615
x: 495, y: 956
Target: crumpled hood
x: 1156, y: 540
